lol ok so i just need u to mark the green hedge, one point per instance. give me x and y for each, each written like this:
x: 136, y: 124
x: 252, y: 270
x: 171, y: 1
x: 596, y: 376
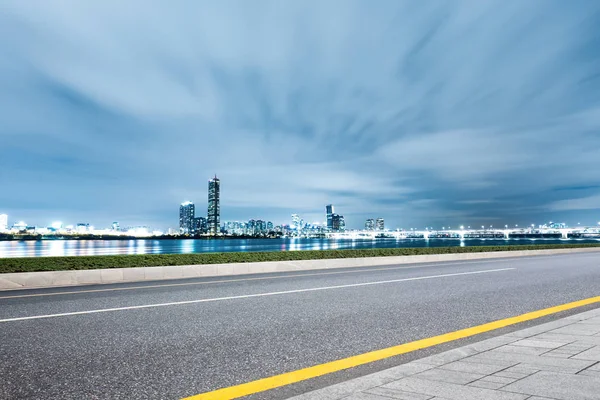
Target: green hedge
x: 152, y: 260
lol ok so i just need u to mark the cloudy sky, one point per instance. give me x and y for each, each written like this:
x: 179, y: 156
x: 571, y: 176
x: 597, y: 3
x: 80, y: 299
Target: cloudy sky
x: 428, y: 113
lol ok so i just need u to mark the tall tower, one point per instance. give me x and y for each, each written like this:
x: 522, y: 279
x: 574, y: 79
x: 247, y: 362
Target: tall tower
x: 329, y: 210
x: 214, y: 207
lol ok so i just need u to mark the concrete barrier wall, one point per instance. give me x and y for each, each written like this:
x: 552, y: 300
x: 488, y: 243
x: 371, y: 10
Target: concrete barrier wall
x: 30, y: 280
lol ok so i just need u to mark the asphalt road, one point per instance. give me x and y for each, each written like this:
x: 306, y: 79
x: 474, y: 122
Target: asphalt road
x: 198, y: 335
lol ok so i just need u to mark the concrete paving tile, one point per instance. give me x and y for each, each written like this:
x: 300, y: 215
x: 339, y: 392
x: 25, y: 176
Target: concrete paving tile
x: 403, y: 370
x: 347, y: 388
x: 557, y: 355
x: 491, y: 343
x: 451, y: 391
x: 595, y: 367
x: 444, y: 375
x: 595, y: 374
x: 509, y: 374
x: 586, y: 315
x: 473, y: 368
x: 536, y: 351
x: 536, y: 330
x: 366, y: 396
x: 579, y: 329
x: 543, y: 363
x: 536, y: 343
x: 498, y: 379
x: 579, y: 347
x: 497, y: 363
x: 397, y: 394
x: 593, y: 320
x: 486, y: 385
x: 448, y: 356
x: 520, y: 369
x: 539, y: 398
x: 581, y: 340
x: 557, y: 386
x: 591, y: 354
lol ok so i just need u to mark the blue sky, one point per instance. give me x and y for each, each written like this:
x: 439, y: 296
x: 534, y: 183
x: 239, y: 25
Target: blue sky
x: 431, y: 113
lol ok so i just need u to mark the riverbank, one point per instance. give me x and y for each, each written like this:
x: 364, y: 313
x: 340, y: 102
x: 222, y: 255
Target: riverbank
x: 12, y: 265
x: 45, y: 279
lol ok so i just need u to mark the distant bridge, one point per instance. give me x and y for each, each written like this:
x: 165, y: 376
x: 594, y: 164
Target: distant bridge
x: 509, y: 233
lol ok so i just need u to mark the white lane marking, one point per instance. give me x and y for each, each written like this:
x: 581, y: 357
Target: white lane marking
x: 357, y: 270
x: 246, y: 296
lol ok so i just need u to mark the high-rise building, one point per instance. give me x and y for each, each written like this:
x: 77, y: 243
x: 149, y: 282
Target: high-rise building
x: 329, y: 211
x: 115, y: 226
x: 296, y: 222
x: 379, y: 224
x: 214, y: 206
x: 199, y: 225
x: 3, y: 222
x: 337, y: 223
x: 250, y: 227
x: 269, y: 226
x: 83, y: 227
x: 187, y: 211
x: 370, y: 224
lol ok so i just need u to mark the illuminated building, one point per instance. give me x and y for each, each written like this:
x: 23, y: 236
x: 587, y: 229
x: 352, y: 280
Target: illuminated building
x: 186, y: 217
x: 296, y: 222
x: 199, y: 225
x: 337, y: 223
x: 83, y: 227
x: 214, y: 207
x: 329, y: 210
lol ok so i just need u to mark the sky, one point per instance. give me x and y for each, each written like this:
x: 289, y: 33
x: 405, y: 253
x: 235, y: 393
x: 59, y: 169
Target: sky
x: 429, y: 113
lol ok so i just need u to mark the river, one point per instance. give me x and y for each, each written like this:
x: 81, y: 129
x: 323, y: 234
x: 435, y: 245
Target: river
x: 44, y: 248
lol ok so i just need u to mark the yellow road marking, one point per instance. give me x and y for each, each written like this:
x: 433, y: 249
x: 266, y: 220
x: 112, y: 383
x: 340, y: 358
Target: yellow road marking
x: 288, y: 378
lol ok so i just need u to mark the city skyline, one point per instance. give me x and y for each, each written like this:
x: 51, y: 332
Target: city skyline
x: 432, y: 115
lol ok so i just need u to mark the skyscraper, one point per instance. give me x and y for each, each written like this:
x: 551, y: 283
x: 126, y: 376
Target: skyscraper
x: 329, y: 210
x: 199, y: 225
x: 296, y: 224
x: 214, y: 207
x: 337, y: 223
x: 379, y: 224
x: 187, y: 211
x: 370, y: 224
x: 3, y: 222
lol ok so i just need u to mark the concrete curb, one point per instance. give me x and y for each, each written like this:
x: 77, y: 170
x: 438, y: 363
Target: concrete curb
x: 31, y: 280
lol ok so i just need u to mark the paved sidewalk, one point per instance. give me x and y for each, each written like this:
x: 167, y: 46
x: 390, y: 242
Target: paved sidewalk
x: 557, y: 360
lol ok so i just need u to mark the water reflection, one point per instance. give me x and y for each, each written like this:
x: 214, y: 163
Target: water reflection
x: 186, y: 246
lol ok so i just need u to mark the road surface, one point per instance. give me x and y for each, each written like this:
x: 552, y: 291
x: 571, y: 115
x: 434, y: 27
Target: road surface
x: 172, y: 339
